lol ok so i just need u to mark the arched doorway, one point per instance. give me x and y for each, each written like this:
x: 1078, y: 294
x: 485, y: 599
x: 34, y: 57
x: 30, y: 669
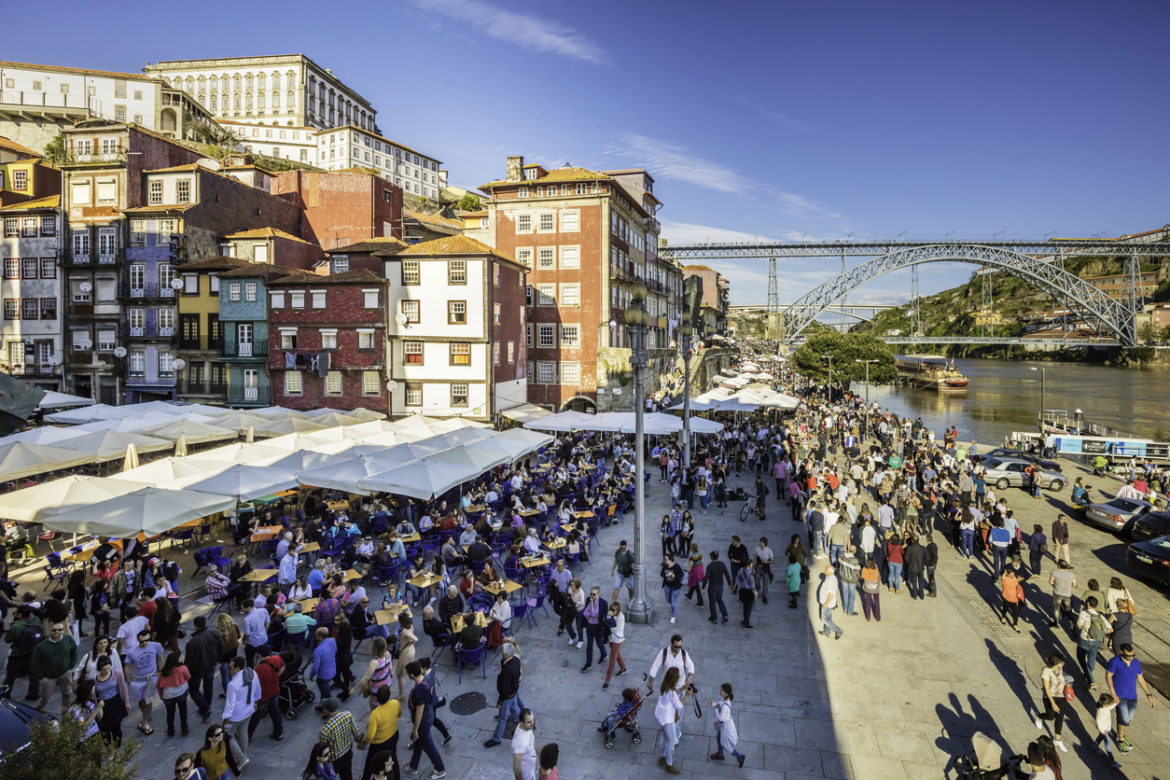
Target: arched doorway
x: 580, y: 403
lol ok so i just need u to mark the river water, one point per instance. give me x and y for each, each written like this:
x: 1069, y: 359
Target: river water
x: 1004, y: 396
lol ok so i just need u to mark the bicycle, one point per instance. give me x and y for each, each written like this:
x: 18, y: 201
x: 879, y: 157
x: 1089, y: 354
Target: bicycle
x: 751, y: 506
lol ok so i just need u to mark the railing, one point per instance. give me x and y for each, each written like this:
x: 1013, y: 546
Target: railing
x: 249, y: 349
x: 105, y: 258
x: 136, y: 331
x: 251, y: 393
x: 137, y: 292
x: 166, y: 331
x: 81, y: 257
x: 244, y: 349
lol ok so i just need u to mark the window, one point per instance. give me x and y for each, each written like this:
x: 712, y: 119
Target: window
x: 371, y: 383
x: 546, y: 335
x: 496, y: 353
x: 318, y: 299
x: 365, y: 339
x: 328, y: 339
x: 288, y: 339
x: 48, y: 308
x: 456, y: 272
x: 496, y: 274
x: 548, y: 222
x: 166, y: 275
x: 30, y: 308
x: 156, y: 192
x: 570, y: 257
x: 370, y: 299
x: 297, y: 299
x: 28, y: 227
x: 189, y: 328
x: 459, y: 395
x: 249, y: 291
x: 82, y: 193
x: 570, y: 295
x: 570, y: 335
x: 137, y: 279
x: 522, y: 192
x: 107, y: 340
x: 456, y: 312
x: 412, y: 353
x: 496, y: 314
x: 293, y: 383
x: 546, y: 372
x: 546, y: 258
x: 166, y: 322
x: 528, y: 295
x: 524, y: 223
x: 120, y: 89
x: 78, y: 294
x: 411, y: 310
x: 20, y: 180
x: 524, y: 256
x: 48, y: 225
x: 137, y: 318
x: 12, y: 268
x: 460, y: 353
x: 333, y: 383
x: 233, y: 291
x: 570, y: 373
x: 183, y: 191
x: 570, y: 221
x: 11, y: 224
x: 166, y: 364
x: 547, y: 295
x: 528, y: 335
x: 414, y: 395
x: 107, y: 241
x: 410, y: 275
x: 12, y: 308
x: 511, y: 351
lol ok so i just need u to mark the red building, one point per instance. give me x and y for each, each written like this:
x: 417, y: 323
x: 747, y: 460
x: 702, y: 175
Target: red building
x: 326, y: 340
x: 342, y: 207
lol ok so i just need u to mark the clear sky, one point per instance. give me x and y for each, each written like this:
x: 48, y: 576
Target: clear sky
x: 788, y: 120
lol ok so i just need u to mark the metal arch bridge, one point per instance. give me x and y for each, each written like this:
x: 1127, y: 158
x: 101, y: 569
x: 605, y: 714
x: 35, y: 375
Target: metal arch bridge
x: 1039, y: 262
x: 845, y: 310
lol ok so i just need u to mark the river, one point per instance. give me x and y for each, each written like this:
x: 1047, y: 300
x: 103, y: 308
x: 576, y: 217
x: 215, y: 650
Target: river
x: 1004, y: 396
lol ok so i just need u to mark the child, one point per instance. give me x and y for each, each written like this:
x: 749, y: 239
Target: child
x: 617, y: 713
x: 725, y: 726
x: 1105, y: 706
x: 792, y: 579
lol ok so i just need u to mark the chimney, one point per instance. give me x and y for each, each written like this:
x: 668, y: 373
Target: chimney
x: 515, y: 168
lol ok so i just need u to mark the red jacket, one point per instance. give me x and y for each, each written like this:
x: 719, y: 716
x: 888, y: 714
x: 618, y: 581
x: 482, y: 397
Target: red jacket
x: 269, y: 670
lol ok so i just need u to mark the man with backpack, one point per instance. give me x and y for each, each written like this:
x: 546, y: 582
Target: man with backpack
x: 675, y: 656
x: 1093, y: 627
x: 243, y: 691
x: 24, y: 635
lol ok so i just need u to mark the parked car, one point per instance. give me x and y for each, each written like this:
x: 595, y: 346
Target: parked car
x: 1009, y: 472
x: 1147, y: 526
x: 1004, y: 452
x: 1150, y: 559
x: 16, y: 720
x: 1116, y: 513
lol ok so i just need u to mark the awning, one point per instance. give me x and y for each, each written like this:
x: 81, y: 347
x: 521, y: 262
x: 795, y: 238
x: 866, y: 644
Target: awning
x: 525, y: 413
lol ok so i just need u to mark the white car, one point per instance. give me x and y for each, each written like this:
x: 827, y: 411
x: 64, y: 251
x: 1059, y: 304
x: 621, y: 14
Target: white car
x: 1116, y: 513
x: 1009, y: 472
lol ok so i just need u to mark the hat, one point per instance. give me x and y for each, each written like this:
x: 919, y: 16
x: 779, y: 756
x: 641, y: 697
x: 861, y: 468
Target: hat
x: 211, y: 567
x: 332, y: 704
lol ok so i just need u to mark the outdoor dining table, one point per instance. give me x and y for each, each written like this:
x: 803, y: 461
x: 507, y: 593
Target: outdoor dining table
x: 509, y: 588
x: 266, y: 533
x: 257, y: 576
x: 532, y: 562
x: 457, y: 622
x: 408, y: 538
x: 390, y: 613
x: 308, y: 605
x: 425, y: 580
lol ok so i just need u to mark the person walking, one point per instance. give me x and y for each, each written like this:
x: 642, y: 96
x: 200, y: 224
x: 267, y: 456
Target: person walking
x: 214, y: 757
x: 1063, y: 581
x: 914, y: 559
x: 1060, y: 549
x: 593, y: 625
x: 672, y: 581
x: 112, y: 692
x: 202, y: 654
x: 745, y: 587
x: 421, y: 704
x: 764, y: 558
x: 173, y: 683
x: 616, y: 621
x: 871, y: 591
x: 51, y: 664
x: 508, y: 699
x: 324, y: 668
x: 622, y: 571
x: 672, y: 657
x: 340, y: 733
x: 1012, y: 592
x: 1092, y: 628
x: 381, y: 737
x: 1106, y: 703
x: 142, y: 664
x: 524, y: 747
x: 713, y: 579
x: 726, y: 736
x: 849, y: 573
x: 1052, y: 690
x: 1124, y: 675
x: 268, y: 671
x: 828, y: 601
x: 243, y: 691
x: 792, y: 580
x: 667, y: 712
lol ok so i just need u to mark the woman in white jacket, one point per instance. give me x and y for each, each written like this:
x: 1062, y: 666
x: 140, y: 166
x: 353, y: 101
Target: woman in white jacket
x: 728, y: 738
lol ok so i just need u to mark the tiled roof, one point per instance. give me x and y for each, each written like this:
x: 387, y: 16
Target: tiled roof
x: 361, y: 276
x: 449, y: 245
x: 472, y: 214
x: 697, y: 268
x: 261, y: 270
x: 213, y: 264
x: 13, y: 146
x: 434, y: 219
x: 268, y: 232
x: 158, y: 207
x: 376, y: 244
x: 572, y: 173
x: 51, y: 202
x: 84, y: 71
x: 187, y: 167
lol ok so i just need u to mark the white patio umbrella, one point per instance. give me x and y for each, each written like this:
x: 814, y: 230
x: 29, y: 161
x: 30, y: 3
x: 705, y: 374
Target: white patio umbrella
x: 368, y: 415
x: 246, y: 482
x: 458, y: 437
x: 481, y: 455
x: 322, y: 411
x: 416, y: 424
x: 453, y: 424
x: 126, y: 424
x: 148, y: 510
x: 519, y: 442
x: 46, y: 434
x: 55, y: 400
x: 280, y: 425
x: 181, y: 446
x: 23, y: 459
x: 418, y: 479
x: 563, y: 421
x: 32, y: 504
x: 305, y: 460
x: 269, y: 410
x: 111, y: 445
x: 335, y: 418
x: 131, y: 461
x: 343, y: 475
x: 704, y: 426
x: 172, y: 473
x: 83, y: 414
x: 194, y: 432
x: 239, y: 420
x: 255, y: 454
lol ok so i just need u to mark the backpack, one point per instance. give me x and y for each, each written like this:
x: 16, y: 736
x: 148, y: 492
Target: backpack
x: 29, y: 638
x: 684, y: 656
x: 1096, y: 628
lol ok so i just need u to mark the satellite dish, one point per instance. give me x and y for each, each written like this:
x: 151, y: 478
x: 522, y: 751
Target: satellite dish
x: 55, y: 360
x: 180, y: 364
x: 177, y: 283
x: 400, y: 318
x: 119, y: 352
x: 391, y: 385
x: 85, y: 286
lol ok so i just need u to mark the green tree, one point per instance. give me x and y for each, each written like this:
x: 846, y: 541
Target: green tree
x: 846, y: 349
x: 55, y: 150
x: 56, y: 751
x: 468, y: 202
x: 1147, y: 333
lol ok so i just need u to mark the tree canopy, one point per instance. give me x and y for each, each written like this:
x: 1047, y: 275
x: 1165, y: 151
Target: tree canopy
x: 56, y: 751
x: 846, y: 349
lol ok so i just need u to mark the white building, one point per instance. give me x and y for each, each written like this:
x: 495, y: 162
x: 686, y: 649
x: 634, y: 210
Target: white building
x: 289, y: 143
x: 30, y: 289
x: 286, y: 89
x: 349, y: 147
x: 37, y: 101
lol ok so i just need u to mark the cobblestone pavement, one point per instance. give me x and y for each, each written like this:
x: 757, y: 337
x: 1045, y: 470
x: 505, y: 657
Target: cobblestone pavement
x: 895, y: 699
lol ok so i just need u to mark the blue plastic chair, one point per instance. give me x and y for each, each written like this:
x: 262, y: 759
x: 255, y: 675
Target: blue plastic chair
x: 470, y: 657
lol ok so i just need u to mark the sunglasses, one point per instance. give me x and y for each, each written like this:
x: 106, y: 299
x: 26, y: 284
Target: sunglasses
x: 182, y: 770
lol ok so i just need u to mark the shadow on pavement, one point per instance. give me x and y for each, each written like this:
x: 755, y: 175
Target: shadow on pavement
x: 959, y: 726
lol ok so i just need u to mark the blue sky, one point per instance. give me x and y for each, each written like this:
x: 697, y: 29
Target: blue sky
x: 785, y: 120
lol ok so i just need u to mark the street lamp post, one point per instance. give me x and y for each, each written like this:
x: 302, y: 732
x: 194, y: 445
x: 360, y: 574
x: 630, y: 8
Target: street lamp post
x: 640, y: 609
x: 866, y: 362
x: 1043, y: 388
x: 829, y: 355
x: 685, y: 331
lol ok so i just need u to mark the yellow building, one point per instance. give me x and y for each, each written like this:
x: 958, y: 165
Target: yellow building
x: 199, y: 334
x: 985, y: 318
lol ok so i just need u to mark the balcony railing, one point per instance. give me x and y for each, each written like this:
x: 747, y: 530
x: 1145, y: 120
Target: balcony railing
x: 248, y: 349
x: 81, y: 257
x: 166, y: 331
x: 251, y: 393
x: 105, y: 258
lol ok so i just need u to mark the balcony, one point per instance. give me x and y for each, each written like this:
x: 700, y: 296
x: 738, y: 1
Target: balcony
x: 246, y: 395
x: 248, y: 349
x: 81, y: 258
x: 105, y: 258
x: 251, y: 393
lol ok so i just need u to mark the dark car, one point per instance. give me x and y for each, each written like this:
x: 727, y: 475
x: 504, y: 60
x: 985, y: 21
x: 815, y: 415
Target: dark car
x: 16, y: 722
x: 1150, y: 559
x: 1004, y: 452
x: 1147, y: 526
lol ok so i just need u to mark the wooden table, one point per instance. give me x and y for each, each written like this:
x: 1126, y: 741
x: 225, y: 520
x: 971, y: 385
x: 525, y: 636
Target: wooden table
x: 529, y: 512
x: 425, y: 580
x: 410, y: 538
x: 311, y: 547
x: 556, y: 544
x: 259, y: 575
x: 584, y: 515
x: 567, y: 527
x: 533, y: 562
x: 476, y: 508
x: 308, y: 605
x: 266, y: 533
x: 337, y: 506
x: 509, y: 587
x: 351, y: 575
x: 84, y: 554
x: 390, y: 614
x: 457, y: 622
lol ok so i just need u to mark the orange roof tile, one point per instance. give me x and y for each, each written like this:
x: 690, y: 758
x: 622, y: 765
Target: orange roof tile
x: 435, y: 219
x: 50, y: 202
x: 13, y: 146
x: 360, y: 276
x: 268, y: 232
x: 449, y: 245
x: 375, y: 244
x: 572, y: 173
x: 63, y: 69
x: 158, y: 207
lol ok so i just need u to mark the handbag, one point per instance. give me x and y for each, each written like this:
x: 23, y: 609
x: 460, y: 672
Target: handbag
x: 1069, y: 693
x: 870, y: 586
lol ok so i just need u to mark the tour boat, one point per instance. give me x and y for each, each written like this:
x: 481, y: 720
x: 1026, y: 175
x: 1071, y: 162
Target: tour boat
x: 931, y: 372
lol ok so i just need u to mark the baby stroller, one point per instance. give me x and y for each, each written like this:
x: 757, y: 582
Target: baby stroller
x: 986, y: 761
x: 623, y: 715
x: 294, y: 690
